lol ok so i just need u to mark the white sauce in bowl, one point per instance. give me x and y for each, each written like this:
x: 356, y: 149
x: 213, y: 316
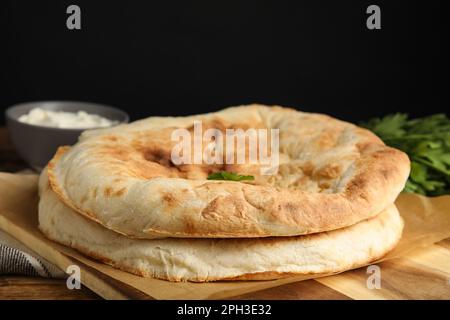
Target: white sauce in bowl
x: 65, y: 120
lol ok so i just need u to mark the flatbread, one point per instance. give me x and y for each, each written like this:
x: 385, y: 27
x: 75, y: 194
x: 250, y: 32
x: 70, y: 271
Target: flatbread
x: 221, y: 259
x: 332, y: 174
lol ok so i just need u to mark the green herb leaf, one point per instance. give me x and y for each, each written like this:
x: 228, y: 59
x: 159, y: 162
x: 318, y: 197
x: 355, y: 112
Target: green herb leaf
x: 427, y: 143
x: 223, y: 175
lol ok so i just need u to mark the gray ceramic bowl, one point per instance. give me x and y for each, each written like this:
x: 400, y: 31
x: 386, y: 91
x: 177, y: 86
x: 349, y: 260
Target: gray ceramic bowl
x: 37, y: 144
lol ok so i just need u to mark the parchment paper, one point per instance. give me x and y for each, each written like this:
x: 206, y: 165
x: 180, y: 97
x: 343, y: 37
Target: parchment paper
x: 427, y: 220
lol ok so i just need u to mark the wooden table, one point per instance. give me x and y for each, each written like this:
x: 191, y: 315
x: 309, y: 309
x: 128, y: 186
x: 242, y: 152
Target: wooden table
x: 415, y: 278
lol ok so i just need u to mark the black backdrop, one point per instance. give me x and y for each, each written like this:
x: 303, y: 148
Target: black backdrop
x: 184, y: 57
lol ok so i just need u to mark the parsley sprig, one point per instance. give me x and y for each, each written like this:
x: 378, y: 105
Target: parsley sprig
x: 224, y: 175
x: 427, y: 143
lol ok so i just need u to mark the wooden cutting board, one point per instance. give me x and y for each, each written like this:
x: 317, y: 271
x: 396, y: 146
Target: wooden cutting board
x: 424, y: 274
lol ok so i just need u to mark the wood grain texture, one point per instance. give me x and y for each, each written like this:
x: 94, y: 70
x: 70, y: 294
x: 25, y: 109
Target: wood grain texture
x: 422, y: 274
x: 304, y: 290
x: 400, y: 279
x: 19, y: 287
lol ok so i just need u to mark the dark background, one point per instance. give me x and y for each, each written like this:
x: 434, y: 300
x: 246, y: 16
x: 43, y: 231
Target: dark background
x: 185, y: 57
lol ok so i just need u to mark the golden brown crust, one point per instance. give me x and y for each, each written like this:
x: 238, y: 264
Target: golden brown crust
x: 343, y: 175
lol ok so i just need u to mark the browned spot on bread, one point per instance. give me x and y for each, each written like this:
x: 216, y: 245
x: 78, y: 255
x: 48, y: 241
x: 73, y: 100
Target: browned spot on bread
x: 224, y: 207
x: 302, y: 180
x: 386, y: 173
x: 159, y: 155
x: 363, y: 147
x: 120, y: 192
x: 108, y: 191
x: 121, y: 153
x: 324, y: 185
x: 308, y: 168
x: 111, y: 138
x: 221, y: 125
x: 210, y: 209
x: 384, y: 153
x: 290, y: 207
x: 214, y: 123
x: 169, y: 199
x: 328, y: 139
x: 356, y: 186
x: 330, y: 171
x: 189, y: 225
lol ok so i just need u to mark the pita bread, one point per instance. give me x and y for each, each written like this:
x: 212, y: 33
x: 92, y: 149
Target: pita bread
x: 332, y: 174
x: 221, y: 259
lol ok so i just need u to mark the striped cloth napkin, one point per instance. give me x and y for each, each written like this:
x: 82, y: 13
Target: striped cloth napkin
x: 17, y: 259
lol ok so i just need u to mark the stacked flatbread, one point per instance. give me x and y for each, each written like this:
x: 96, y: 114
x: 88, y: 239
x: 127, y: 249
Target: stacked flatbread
x: 118, y: 197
